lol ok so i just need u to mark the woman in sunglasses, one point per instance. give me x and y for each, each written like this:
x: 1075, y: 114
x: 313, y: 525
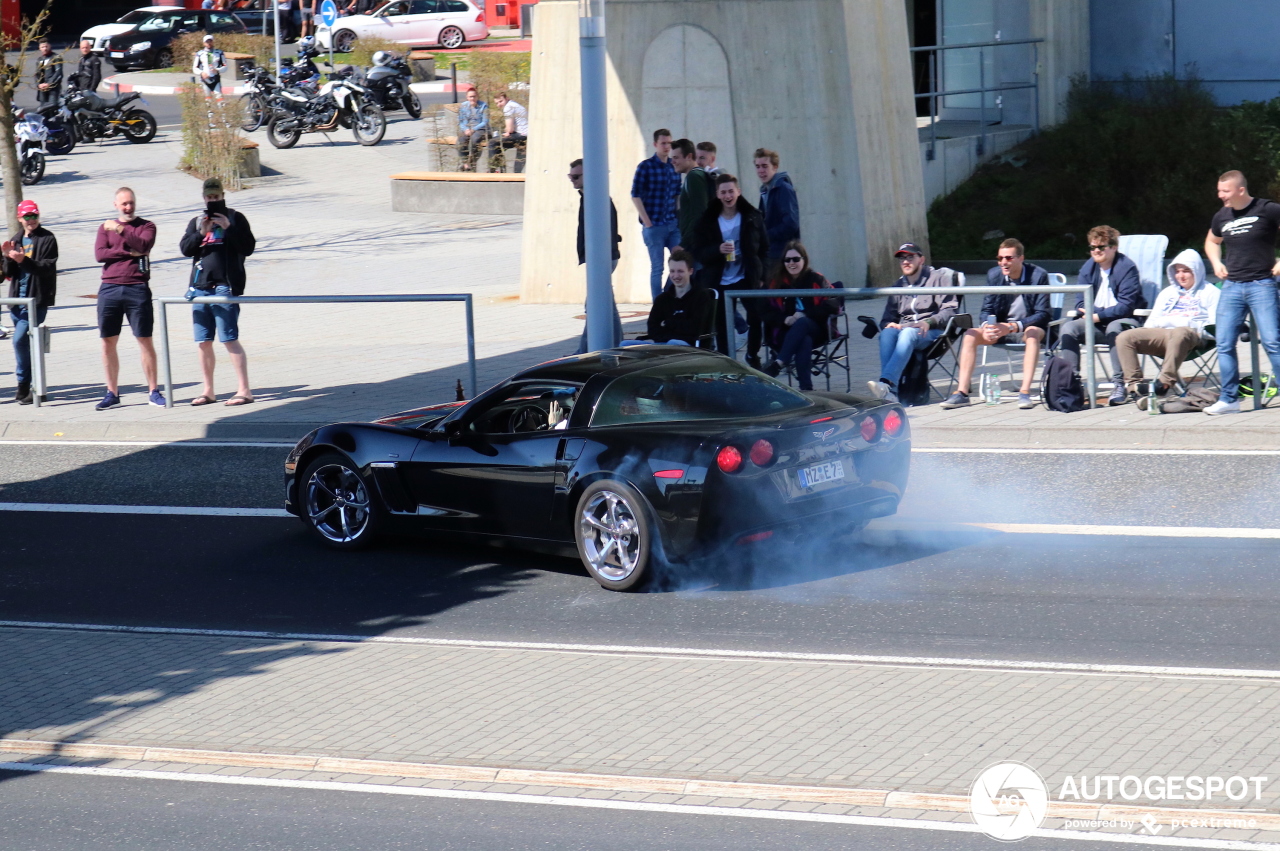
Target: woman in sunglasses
x: 794, y: 326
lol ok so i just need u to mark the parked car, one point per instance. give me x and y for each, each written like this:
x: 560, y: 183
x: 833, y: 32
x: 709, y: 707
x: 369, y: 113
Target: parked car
x: 149, y: 44
x: 637, y: 460
x: 444, y: 23
x: 98, y: 35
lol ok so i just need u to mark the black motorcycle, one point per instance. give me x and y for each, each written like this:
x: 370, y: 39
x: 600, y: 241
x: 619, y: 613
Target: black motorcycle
x: 94, y: 118
x: 388, y: 84
x: 61, y: 127
x: 341, y: 102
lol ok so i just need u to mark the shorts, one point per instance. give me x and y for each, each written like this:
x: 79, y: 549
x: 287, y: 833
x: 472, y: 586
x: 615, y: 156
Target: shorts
x: 225, y: 318
x: 308, y: 15
x: 118, y: 301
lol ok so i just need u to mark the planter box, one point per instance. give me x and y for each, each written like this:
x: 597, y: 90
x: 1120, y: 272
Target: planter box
x: 458, y: 193
x: 250, y: 165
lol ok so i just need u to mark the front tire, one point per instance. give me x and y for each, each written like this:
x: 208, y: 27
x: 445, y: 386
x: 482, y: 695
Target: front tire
x: 164, y: 59
x: 451, y: 38
x: 338, y: 505
x: 139, y: 126
x: 343, y: 41
x: 32, y: 168
x: 616, y: 536
x: 412, y: 105
x: 61, y: 142
x: 282, y: 138
x: 369, y: 124
x: 255, y: 111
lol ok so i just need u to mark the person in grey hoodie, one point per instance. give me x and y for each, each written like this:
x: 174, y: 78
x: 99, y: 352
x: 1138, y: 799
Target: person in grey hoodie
x: 778, y: 204
x: 1176, y: 327
x: 912, y: 322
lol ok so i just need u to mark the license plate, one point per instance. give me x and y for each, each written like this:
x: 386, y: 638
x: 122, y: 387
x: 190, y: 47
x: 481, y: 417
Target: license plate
x: 117, y: 54
x: 828, y: 471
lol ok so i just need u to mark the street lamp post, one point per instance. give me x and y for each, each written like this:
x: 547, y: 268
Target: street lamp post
x: 595, y: 175
x: 275, y: 11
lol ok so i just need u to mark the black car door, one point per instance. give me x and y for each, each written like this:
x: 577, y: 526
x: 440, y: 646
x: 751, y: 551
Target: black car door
x: 495, y: 473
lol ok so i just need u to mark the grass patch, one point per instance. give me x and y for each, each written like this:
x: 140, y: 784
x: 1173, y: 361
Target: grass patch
x: 1143, y: 157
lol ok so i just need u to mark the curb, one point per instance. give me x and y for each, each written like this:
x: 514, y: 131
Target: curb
x: 996, y: 437
x: 438, y: 87
x: 144, y: 89
x: 929, y: 802
x: 156, y: 431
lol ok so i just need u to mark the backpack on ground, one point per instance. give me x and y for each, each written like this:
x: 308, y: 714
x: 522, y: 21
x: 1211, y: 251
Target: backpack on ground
x: 1061, y: 388
x: 913, y: 386
x: 1195, y: 401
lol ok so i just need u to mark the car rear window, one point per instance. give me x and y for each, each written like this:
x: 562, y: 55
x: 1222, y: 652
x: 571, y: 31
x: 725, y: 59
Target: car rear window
x: 687, y: 390
x: 454, y: 6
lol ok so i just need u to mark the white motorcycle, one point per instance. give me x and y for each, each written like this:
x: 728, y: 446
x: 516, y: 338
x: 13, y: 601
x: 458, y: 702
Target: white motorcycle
x: 31, y: 136
x: 340, y: 102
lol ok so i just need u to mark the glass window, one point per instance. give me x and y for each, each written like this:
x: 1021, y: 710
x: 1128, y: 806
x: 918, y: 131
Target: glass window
x: 157, y: 23
x: 423, y: 7
x: 135, y: 16
x: 221, y: 21
x: 693, y: 390
x: 395, y: 8
x: 527, y: 407
x: 454, y: 6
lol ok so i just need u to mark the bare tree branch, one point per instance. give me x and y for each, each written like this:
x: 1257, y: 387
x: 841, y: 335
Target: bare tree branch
x: 11, y: 74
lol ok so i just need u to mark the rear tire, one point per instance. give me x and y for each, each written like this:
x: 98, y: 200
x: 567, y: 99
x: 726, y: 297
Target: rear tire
x: 369, y: 124
x: 139, y: 126
x: 617, y: 537
x: 338, y: 505
x: 282, y: 138
x: 256, y: 112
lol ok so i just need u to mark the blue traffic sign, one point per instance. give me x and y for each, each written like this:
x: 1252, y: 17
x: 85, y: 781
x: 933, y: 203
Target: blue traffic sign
x: 328, y: 13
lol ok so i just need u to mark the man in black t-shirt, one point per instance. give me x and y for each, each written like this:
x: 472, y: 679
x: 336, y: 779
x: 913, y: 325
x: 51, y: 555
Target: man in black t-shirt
x: 1247, y: 227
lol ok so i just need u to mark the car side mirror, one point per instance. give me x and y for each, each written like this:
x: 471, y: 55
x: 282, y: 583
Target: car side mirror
x: 454, y: 429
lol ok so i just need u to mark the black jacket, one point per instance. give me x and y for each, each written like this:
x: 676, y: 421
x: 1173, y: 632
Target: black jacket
x: 582, y: 230
x: 238, y: 240
x: 42, y: 264
x: 1126, y: 285
x: 753, y: 247
x: 1037, y: 304
x: 88, y: 73
x: 685, y: 318
x: 774, y: 311
x: 781, y: 213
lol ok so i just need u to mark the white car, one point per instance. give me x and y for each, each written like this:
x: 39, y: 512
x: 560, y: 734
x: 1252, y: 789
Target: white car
x: 447, y: 23
x: 98, y: 35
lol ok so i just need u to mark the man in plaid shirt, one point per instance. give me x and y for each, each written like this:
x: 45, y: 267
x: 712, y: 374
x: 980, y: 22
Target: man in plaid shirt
x: 655, y: 191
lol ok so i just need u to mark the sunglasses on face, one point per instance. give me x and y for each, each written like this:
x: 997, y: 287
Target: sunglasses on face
x: 31, y: 217
x: 1099, y: 247
x: 792, y: 259
x: 1005, y: 259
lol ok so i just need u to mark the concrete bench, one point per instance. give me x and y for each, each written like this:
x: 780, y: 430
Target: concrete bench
x: 464, y: 193
x: 423, y: 65
x: 237, y: 63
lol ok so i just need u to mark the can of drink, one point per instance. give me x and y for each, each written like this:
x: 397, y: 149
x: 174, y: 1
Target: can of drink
x: 732, y: 256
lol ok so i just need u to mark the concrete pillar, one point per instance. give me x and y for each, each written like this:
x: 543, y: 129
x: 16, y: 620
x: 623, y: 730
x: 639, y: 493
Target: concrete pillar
x: 826, y: 83
x: 1064, y: 24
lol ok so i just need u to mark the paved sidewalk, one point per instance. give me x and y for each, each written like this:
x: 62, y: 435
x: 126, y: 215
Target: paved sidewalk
x: 846, y: 726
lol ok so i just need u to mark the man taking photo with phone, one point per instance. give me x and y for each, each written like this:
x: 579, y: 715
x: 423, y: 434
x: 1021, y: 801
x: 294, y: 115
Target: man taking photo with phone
x: 217, y: 241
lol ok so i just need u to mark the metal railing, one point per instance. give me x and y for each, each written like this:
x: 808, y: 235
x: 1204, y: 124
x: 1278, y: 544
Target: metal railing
x: 35, y: 338
x: 1091, y: 379
x: 983, y: 89
x: 166, y: 369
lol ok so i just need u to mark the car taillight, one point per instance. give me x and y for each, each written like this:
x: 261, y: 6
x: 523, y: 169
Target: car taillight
x: 893, y: 423
x: 729, y: 459
x: 480, y: 18
x: 868, y: 427
x: 761, y: 453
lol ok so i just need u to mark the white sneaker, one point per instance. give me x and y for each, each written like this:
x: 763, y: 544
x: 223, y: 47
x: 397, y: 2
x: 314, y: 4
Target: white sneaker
x: 880, y: 390
x: 1221, y: 407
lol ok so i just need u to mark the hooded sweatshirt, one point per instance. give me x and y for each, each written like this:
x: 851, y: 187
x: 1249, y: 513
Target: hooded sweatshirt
x: 1179, y: 308
x: 781, y: 212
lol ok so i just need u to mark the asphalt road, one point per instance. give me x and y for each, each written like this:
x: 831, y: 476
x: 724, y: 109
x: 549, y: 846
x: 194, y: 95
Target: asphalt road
x: 49, y: 812
x: 1106, y: 599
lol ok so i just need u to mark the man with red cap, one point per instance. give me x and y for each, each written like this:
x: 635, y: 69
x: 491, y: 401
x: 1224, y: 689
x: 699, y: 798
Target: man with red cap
x: 31, y: 266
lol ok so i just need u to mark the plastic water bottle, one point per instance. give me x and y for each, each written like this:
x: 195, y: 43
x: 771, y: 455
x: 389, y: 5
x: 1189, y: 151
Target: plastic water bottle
x: 984, y: 387
x: 995, y: 390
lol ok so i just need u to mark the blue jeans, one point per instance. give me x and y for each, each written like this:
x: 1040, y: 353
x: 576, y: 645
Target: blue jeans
x: 22, y: 340
x: 896, y: 347
x: 1258, y: 298
x: 656, y: 239
x: 798, y: 346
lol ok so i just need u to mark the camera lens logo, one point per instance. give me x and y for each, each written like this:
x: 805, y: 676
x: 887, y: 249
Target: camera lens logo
x: 1008, y: 801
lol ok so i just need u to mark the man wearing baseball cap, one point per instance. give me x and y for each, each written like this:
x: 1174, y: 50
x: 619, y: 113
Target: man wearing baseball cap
x: 911, y: 322
x: 31, y: 265
x: 209, y: 65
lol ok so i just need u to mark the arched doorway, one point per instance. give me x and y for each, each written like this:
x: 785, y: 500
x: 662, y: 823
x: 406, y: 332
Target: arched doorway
x: 685, y: 88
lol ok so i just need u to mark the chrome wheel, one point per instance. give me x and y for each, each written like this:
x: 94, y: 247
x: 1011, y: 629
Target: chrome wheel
x: 451, y: 38
x: 337, y: 503
x: 610, y: 536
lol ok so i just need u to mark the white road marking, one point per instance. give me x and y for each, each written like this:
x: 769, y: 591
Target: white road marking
x: 966, y: 450
x: 633, y: 806
x: 238, y: 444
x: 1006, y: 665
x: 185, y: 510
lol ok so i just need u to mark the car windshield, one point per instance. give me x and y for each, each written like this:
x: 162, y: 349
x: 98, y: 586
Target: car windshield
x: 157, y: 23
x: 685, y: 391
x: 135, y: 16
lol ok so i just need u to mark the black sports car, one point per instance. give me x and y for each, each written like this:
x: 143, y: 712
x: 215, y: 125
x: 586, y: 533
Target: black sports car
x: 639, y: 459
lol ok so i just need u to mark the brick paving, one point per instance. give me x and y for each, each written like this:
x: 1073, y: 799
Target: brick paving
x: 922, y: 730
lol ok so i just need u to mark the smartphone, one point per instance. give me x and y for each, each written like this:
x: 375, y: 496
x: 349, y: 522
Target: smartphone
x: 215, y: 207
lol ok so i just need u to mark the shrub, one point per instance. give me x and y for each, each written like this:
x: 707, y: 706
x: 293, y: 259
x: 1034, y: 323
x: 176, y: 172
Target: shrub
x: 493, y: 72
x: 261, y: 47
x: 361, y: 54
x: 212, y: 143
x: 1143, y: 156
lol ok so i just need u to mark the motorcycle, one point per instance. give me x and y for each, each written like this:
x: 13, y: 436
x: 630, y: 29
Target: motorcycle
x: 31, y: 134
x: 388, y: 83
x: 95, y: 118
x: 258, y: 89
x: 60, y: 125
x: 340, y: 101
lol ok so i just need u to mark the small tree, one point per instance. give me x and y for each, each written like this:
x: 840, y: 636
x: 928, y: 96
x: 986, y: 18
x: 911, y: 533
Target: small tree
x: 11, y: 76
